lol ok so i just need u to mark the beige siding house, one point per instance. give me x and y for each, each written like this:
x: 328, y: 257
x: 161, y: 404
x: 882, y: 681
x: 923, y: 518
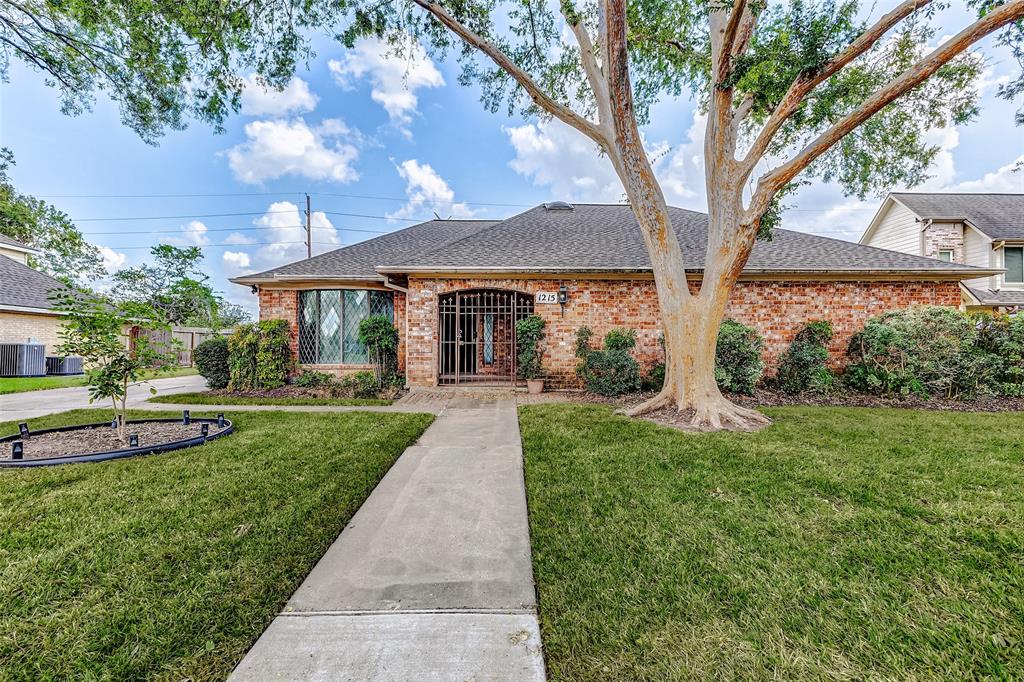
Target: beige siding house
x: 25, y: 309
x: 983, y: 230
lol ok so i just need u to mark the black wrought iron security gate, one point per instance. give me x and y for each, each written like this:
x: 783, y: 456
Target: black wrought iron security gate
x: 477, y: 335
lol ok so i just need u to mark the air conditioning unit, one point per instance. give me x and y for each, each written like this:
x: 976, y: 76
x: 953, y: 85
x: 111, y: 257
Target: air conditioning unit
x: 66, y: 366
x: 22, y: 360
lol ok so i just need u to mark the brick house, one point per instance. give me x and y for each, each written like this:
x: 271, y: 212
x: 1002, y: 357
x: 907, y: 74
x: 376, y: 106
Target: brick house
x: 455, y: 288
x: 26, y: 312
x: 983, y: 230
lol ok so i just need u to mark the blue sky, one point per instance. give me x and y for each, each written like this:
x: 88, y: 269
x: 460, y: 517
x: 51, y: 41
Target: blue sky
x: 358, y: 123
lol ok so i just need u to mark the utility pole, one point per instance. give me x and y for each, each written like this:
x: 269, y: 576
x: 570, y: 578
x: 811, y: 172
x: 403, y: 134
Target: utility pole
x: 309, y: 229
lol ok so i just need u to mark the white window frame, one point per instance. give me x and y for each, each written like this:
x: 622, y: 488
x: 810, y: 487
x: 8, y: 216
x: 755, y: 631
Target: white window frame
x: 1007, y: 282
x: 951, y: 253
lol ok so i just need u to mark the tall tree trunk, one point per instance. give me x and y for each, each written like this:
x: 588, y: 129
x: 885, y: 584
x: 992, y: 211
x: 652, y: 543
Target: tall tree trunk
x: 690, y: 322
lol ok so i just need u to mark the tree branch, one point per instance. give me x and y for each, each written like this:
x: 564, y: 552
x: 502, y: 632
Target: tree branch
x: 805, y: 83
x: 542, y: 99
x: 732, y: 27
x: 595, y: 76
x: 771, y: 182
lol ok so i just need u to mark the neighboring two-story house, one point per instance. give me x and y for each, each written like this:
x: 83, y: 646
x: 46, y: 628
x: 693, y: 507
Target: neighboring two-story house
x: 984, y: 230
x: 26, y: 312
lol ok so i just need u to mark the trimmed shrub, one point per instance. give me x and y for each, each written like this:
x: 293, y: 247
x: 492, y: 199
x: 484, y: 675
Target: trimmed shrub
x: 211, y: 360
x: 935, y: 351
x: 611, y: 371
x: 529, y: 334
x: 803, y: 367
x: 312, y: 379
x: 738, y: 363
x: 260, y: 356
x: 380, y: 337
x: 364, y: 384
x: 655, y: 379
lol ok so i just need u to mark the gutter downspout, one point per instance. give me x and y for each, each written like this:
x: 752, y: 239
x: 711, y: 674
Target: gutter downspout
x: 405, y: 290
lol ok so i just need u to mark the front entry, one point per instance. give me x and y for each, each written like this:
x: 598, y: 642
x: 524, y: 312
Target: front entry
x: 477, y: 335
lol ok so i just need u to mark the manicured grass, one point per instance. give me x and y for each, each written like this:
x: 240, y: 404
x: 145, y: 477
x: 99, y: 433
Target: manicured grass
x: 22, y: 384
x: 170, y: 566
x: 836, y: 544
x: 208, y: 399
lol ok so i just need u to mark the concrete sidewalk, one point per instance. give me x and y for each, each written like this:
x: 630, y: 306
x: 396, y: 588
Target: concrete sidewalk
x: 31, y: 404
x: 431, y: 580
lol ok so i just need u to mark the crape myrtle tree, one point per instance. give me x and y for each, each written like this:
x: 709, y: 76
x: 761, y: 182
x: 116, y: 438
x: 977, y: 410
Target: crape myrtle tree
x: 791, y: 90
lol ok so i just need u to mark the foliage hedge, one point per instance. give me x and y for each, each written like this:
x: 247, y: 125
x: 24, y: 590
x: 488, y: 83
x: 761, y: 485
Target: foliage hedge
x: 380, y: 337
x: 529, y: 334
x: 937, y: 351
x: 211, y: 360
x: 612, y: 370
x: 803, y: 367
x: 738, y: 363
x: 260, y: 356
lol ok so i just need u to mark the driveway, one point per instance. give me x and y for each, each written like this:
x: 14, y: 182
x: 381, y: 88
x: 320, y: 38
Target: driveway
x: 31, y: 404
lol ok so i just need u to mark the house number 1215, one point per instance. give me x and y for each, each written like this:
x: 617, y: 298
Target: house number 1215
x: 547, y: 297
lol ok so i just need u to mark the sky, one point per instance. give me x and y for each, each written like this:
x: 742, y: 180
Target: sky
x: 380, y: 144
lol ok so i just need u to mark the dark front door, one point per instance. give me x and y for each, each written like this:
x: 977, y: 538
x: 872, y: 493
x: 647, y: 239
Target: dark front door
x: 476, y: 335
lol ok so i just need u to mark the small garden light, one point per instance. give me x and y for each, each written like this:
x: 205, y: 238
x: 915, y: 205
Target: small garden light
x: 113, y: 423
x: 17, y: 449
x: 205, y: 430
x: 23, y: 428
x: 133, y: 440
x: 186, y: 418
x: 220, y: 419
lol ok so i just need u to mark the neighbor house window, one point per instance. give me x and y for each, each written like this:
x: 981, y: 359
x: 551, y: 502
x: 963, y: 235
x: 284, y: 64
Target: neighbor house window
x: 1013, y: 261
x: 946, y: 255
x: 329, y: 324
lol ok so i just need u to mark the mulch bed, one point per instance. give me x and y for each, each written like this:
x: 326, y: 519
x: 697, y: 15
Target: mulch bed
x: 103, y: 439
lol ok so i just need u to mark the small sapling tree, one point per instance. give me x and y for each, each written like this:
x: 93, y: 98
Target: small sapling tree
x: 95, y: 329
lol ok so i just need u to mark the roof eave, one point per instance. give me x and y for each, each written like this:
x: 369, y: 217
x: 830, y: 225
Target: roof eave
x: 248, y: 280
x: 30, y: 310
x: 829, y: 273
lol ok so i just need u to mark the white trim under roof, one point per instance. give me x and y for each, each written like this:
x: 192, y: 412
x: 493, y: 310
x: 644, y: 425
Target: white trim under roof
x: 25, y: 309
x: 20, y: 249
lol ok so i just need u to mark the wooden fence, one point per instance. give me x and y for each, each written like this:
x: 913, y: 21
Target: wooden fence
x: 189, y: 337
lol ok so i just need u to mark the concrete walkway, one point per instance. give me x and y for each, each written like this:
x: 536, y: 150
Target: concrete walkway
x: 431, y: 580
x: 31, y: 404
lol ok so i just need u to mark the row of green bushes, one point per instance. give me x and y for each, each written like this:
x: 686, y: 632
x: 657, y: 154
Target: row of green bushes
x: 925, y: 351
x: 258, y: 356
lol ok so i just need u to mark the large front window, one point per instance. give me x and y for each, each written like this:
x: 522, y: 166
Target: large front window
x: 329, y: 324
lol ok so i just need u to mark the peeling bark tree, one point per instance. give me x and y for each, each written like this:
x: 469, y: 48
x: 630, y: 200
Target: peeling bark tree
x: 798, y: 89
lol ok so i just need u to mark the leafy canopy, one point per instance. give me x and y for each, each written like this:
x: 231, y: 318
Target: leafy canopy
x: 670, y: 54
x: 174, y: 286
x: 64, y: 252
x: 161, y: 61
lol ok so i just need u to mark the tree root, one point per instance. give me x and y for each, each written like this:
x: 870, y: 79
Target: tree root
x: 714, y: 414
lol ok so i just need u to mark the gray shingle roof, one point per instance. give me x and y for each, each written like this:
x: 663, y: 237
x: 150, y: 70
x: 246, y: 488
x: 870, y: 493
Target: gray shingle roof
x: 7, y: 241
x: 607, y: 237
x: 359, y: 260
x: 999, y: 216
x: 24, y: 287
x: 1003, y: 297
x: 591, y: 237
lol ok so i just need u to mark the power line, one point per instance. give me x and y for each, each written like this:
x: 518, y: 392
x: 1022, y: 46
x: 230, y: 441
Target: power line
x: 175, y: 217
x: 204, y: 246
x: 178, y: 230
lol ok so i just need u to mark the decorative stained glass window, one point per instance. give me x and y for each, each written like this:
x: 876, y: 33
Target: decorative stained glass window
x: 329, y: 324
x: 488, y: 338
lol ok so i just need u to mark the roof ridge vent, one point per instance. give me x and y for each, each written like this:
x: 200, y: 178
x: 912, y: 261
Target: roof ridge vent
x: 558, y: 206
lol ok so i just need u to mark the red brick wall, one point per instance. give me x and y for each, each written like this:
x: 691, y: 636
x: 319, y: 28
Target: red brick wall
x: 777, y: 309
x: 283, y: 304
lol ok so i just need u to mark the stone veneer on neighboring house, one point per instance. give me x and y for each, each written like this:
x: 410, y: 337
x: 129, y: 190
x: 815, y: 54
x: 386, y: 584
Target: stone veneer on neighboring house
x: 944, y: 237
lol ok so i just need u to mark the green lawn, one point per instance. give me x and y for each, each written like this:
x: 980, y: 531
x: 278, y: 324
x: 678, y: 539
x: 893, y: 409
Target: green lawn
x: 170, y: 566
x: 208, y: 399
x: 836, y: 544
x: 22, y: 384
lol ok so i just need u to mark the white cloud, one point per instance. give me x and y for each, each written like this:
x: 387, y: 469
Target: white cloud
x: 195, y: 233
x: 553, y: 155
x: 238, y: 239
x: 277, y: 148
x: 428, y: 193
x: 1008, y: 178
x: 260, y: 100
x: 236, y: 260
x: 112, y: 260
x: 284, y: 226
x: 394, y: 76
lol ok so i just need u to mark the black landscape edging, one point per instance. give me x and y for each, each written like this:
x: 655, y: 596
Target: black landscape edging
x: 115, y: 454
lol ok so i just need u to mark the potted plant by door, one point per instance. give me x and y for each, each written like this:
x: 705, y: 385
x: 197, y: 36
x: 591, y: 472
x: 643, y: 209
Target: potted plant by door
x: 529, y: 334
